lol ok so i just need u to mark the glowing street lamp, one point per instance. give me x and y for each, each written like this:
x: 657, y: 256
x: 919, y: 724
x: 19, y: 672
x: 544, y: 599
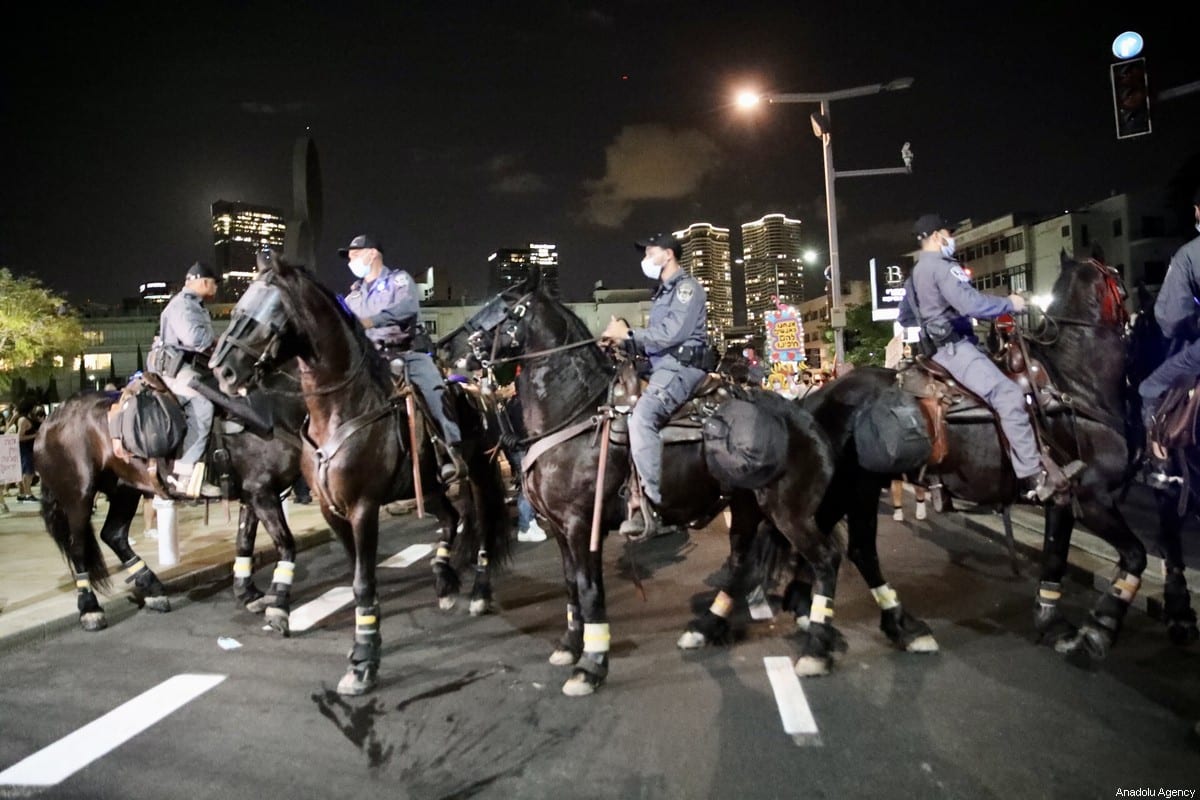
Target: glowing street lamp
x: 822, y: 129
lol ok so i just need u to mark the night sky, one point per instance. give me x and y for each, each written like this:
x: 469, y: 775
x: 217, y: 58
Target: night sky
x: 452, y: 129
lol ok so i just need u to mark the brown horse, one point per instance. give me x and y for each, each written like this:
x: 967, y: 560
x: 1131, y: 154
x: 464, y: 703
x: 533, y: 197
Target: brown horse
x: 357, y: 452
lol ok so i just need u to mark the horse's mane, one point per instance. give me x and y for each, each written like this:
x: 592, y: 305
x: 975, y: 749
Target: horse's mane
x: 376, y: 367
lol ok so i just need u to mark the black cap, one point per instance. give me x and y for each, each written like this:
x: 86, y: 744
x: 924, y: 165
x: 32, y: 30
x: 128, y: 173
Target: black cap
x: 930, y: 223
x: 202, y: 270
x: 663, y: 240
x: 364, y: 241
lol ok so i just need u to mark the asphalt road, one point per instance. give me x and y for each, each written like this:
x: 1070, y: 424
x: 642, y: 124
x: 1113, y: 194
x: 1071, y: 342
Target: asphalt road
x: 469, y: 707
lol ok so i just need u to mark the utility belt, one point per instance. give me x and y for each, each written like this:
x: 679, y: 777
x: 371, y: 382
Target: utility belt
x: 689, y: 355
x: 936, y: 334
x: 167, y: 360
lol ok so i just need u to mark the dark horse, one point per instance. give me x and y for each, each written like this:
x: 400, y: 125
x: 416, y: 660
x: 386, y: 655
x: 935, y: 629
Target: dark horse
x: 564, y: 380
x: 1148, y: 347
x: 75, y: 458
x: 357, y: 452
x: 1082, y: 346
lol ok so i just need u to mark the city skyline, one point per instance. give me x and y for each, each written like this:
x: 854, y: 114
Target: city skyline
x: 446, y: 132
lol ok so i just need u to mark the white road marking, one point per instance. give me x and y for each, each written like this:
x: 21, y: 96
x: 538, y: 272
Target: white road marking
x: 314, y: 611
x: 798, y: 720
x: 408, y: 556
x: 57, y: 762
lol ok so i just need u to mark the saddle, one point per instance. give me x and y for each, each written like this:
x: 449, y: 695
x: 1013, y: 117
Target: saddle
x: 1174, y: 426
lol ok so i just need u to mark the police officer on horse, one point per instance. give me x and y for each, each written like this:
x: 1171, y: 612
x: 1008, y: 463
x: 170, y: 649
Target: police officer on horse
x: 940, y: 299
x: 675, y: 343
x: 386, y: 303
x: 186, y: 338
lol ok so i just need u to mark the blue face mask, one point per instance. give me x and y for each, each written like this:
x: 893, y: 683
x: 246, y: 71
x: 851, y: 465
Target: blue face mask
x: 948, y: 247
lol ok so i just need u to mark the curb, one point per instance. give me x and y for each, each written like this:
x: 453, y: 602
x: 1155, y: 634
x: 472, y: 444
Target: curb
x: 177, y: 580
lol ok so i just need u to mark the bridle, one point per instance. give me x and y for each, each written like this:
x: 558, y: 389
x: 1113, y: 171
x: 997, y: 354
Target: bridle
x: 1110, y: 292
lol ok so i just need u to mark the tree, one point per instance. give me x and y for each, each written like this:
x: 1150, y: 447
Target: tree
x: 864, y: 339
x: 35, y: 326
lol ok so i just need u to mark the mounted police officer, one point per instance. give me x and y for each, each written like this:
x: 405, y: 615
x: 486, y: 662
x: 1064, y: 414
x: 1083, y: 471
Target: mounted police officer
x: 1176, y: 312
x: 386, y: 303
x: 186, y: 338
x: 675, y: 343
x: 940, y: 299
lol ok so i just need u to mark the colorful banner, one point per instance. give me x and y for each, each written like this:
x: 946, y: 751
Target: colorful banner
x: 785, y: 335
x: 10, y: 460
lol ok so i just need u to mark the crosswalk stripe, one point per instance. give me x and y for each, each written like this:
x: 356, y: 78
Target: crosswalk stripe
x: 314, y: 611
x: 55, y: 763
x: 797, y: 717
x: 408, y: 556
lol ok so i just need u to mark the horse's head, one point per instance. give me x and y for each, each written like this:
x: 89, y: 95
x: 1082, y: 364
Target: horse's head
x: 261, y: 336
x: 1088, y: 291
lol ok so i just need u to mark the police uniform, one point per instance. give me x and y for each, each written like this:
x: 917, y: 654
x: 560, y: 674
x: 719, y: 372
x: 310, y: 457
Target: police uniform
x: 185, y: 325
x: 940, y: 295
x: 391, y: 303
x: 674, y: 342
x: 1175, y: 310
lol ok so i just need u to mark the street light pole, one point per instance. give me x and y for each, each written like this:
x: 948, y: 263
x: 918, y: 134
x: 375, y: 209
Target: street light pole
x: 821, y: 127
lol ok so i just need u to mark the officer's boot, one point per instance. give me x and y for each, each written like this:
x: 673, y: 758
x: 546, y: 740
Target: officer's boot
x: 643, y: 523
x: 456, y: 466
x: 188, y: 480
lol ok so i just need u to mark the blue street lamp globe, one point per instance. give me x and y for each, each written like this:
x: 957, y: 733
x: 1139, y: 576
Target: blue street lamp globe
x: 1127, y: 45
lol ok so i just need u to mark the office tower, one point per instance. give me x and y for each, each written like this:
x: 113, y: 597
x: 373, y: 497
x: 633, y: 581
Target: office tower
x: 510, y: 266
x: 773, y: 265
x: 706, y: 258
x: 240, y: 231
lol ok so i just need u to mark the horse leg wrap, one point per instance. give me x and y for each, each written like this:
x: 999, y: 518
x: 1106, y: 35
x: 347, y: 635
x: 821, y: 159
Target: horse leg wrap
x: 281, y: 583
x: 134, y: 569
x: 146, y: 586
x: 596, y: 638
x: 904, y: 629
x: 1125, y: 587
x: 86, y: 598
x: 821, y: 611
x: 885, y: 597
x: 722, y: 605
x: 244, y: 590
x: 1048, y: 619
x: 367, y: 641
x: 442, y: 556
x: 243, y: 567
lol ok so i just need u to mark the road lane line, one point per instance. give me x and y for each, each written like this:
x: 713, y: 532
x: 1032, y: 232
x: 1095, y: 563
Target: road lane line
x: 314, y: 611
x: 55, y: 763
x: 797, y: 717
x: 408, y: 556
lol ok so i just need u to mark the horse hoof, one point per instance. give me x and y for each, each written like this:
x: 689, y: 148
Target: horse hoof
x: 812, y: 667
x: 1085, y: 648
x: 277, y: 618
x: 923, y: 644
x: 160, y: 603
x: 802, y: 623
x: 93, y: 621
x: 581, y: 684
x: 447, y: 603
x: 1182, y: 634
x: 479, y: 606
x: 258, y: 605
x: 691, y: 640
x: 563, y: 658
x: 358, y: 680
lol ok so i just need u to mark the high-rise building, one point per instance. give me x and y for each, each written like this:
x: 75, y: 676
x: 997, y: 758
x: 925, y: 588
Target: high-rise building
x: 511, y: 266
x: 240, y: 231
x: 706, y: 257
x: 773, y: 264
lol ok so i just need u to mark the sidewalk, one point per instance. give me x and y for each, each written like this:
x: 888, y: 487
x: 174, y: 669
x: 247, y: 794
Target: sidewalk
x: 37, y: 591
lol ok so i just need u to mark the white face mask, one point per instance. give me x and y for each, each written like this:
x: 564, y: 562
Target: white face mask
x: 650, y: 269
x: 360, y: 267
x: 948, y: 247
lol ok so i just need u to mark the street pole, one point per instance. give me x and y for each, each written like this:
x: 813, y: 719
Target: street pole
x: 837, y: 315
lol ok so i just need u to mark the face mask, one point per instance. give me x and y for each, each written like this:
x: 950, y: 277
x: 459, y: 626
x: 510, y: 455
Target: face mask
x: 360, y: 268
x: 948, y: 247
x: 650, y: 269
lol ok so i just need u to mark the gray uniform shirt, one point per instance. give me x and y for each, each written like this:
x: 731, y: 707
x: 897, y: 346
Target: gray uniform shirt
x: 677, y: 317
x: 186, y: 324
x: 944, y: 293
x: 390, y: 302
x: 1177, y: 300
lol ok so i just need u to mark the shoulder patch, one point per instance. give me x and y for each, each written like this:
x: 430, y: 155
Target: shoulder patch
x: 960, y: 273
x: 685, y: 292
x: 402, y: 278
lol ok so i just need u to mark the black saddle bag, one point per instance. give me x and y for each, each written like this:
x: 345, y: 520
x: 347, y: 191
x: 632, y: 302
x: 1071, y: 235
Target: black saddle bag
x: 745, y: 446
x: 890, y: 435
x: 152, y: 423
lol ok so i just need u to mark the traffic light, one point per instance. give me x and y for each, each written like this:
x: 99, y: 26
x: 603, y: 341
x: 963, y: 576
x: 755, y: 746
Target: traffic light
x: 1131, y: 97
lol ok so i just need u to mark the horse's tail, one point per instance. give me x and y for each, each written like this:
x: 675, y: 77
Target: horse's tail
x: 80, y: 548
